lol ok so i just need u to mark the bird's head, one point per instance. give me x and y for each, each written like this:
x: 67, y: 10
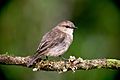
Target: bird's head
x: 66, y: 26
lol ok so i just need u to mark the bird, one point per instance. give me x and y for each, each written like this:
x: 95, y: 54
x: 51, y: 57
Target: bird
x: 55, y: 42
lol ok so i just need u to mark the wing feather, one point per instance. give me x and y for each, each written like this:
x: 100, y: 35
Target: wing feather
x: 50, y: 40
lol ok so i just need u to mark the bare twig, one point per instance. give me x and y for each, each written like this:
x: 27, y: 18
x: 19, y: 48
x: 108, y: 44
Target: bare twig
x: 62, y: 66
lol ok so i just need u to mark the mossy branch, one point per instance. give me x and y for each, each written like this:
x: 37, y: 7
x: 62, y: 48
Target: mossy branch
x: 61, y: 66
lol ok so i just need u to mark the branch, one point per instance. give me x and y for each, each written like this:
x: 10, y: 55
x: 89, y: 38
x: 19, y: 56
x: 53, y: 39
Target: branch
x: 62, y: 66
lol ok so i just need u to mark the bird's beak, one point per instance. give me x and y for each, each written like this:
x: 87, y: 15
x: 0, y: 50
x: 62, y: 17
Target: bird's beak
x: 74, y: 27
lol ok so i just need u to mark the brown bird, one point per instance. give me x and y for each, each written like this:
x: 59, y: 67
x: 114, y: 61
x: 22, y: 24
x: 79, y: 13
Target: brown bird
x: 55, y: 42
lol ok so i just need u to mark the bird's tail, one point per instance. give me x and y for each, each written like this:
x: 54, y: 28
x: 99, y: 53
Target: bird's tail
x: 33, y: 58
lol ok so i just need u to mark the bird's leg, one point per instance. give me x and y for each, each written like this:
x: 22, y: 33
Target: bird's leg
x: 46, y: 58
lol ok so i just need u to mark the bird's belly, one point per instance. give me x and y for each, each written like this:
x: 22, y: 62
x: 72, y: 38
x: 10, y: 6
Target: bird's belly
x: 58, y: 50
x: 61, y: 48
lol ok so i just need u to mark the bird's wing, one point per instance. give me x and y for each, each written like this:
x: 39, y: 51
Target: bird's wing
x: 50, y: 40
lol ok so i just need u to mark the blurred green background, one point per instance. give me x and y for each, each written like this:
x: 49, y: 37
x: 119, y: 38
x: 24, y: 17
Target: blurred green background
x: 24, y: 22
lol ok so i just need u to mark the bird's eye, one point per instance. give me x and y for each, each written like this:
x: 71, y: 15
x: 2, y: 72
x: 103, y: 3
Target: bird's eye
x: 67, y: 26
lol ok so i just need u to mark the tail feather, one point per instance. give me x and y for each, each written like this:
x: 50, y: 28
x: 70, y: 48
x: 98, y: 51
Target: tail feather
x: 31, y: 62
x: 34, y: 58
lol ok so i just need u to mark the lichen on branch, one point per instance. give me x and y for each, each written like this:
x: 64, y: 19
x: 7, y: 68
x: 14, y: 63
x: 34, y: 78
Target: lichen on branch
x: 61, y: 66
